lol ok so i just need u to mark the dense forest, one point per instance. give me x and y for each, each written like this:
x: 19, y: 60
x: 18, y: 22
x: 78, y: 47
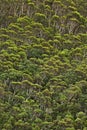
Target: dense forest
x: 43, y: 64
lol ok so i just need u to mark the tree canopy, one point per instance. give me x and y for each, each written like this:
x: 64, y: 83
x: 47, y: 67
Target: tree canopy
x: 43, y: 65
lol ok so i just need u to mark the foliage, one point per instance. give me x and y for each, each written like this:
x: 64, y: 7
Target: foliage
x: 43, y: 65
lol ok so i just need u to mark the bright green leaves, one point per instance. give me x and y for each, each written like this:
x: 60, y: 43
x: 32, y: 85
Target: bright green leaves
x: 41, y: 18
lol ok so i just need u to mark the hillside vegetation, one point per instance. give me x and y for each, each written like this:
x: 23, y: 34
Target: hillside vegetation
x: 43, y: 64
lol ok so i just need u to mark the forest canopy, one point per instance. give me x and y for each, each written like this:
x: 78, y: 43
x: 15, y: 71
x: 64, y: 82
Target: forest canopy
x: 43, y: 64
